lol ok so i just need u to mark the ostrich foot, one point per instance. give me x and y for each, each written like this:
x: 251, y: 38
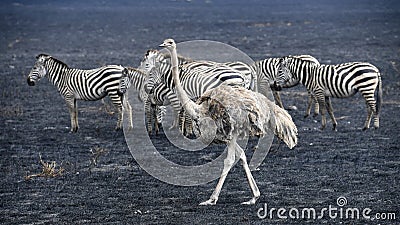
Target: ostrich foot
x: 251, y: 201
x: 209, y: 202
x: 74, y: 129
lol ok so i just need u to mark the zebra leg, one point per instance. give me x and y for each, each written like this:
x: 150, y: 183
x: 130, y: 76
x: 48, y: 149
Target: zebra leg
x: 278, y: 100
x: 330, y: 111
x: 228, y: 163
x: 182, y: 121
x: 72, y: 108
x: 378, y: 102
x: 250, y: 179
x: 321, y: 101
x: 369, y: 116
x: 316, y: 106
x: 117, y: 102
x: 155, y: 113
x: 148, y: 116
x: 76, y: 115
x: 128, y: 108
x: 120, y: 119
x: 309, y: 105
x: 188, y: 125
x: 376, y: 119
x: 371, y: 108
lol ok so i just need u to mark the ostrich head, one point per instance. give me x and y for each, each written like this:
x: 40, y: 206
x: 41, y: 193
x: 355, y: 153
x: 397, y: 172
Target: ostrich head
x: 169, y: 44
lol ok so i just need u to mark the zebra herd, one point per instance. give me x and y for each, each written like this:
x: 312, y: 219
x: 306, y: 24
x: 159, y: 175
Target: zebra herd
x: 153, y: 80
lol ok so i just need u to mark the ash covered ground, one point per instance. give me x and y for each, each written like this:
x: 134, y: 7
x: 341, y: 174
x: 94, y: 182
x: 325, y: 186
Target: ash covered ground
x: 362, y: 166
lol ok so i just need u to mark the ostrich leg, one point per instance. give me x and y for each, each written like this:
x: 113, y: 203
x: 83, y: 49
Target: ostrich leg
x: 228, y: 163
x: 250, y: 179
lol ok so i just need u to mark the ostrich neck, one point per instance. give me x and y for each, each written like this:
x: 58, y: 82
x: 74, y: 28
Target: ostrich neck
x: 190, y: 107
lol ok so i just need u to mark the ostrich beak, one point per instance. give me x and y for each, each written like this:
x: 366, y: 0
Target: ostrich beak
x: 163, y: 45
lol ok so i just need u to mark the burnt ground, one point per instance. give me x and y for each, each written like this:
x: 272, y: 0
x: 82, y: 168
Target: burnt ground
x: 361, y: 166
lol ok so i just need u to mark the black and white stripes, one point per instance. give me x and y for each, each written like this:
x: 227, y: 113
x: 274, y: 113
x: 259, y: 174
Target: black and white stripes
x: 339, y: 81
x: 154, y: 82
x: 137, y: 79
x: 76, y: 84
x: 267, y: 72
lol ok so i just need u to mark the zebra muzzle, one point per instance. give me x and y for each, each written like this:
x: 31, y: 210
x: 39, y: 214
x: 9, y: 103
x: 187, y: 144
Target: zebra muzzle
x: 276, y: 87
x: 30, y: 82
x: 120, y: 93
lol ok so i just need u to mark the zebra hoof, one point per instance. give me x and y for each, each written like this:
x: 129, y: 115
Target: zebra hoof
x: 334, y: 127
x: 307, y: 115
x: 117, y: 128
x: 365, y: 128
x: 315, y: 115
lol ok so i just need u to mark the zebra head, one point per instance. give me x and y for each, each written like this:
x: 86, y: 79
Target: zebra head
x: 149, y: 60
x: 154, y: 79
x: 284, y: 74
x: 124, y: 82
x: 39, y: 70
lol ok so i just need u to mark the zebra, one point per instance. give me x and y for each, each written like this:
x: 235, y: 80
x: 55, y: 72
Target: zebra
x: 339, y: 81
x: 267, y: 72
x: 197, y: 77
x: 154, y: 58
x: 159, y: 65
x: 137, y: 78
x: 77, y: 84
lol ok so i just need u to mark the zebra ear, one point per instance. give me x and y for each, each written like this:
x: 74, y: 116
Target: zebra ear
x: 125, y: 71
x: 282, y: 61
x: 43, y: 57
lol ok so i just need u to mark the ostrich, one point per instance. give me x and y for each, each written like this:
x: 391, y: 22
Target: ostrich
x: 227, y: 113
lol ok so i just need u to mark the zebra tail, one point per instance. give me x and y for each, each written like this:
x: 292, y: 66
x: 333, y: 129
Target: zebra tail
x: 379, y: 96
x: 285, y: 129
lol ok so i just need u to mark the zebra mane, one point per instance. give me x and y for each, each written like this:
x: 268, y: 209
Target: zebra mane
x: 54, y: 59
x: 303, y: 58
x: 136, y: 70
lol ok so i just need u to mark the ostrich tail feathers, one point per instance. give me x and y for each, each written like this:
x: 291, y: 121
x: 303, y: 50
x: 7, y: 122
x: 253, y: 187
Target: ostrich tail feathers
x: 285, y: 129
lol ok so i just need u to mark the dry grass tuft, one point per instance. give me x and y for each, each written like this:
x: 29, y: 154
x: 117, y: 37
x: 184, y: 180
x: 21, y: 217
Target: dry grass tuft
x: 49, y: 170
x: 108, y: 108
x: 11, y: 111
x: 96, y: 153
